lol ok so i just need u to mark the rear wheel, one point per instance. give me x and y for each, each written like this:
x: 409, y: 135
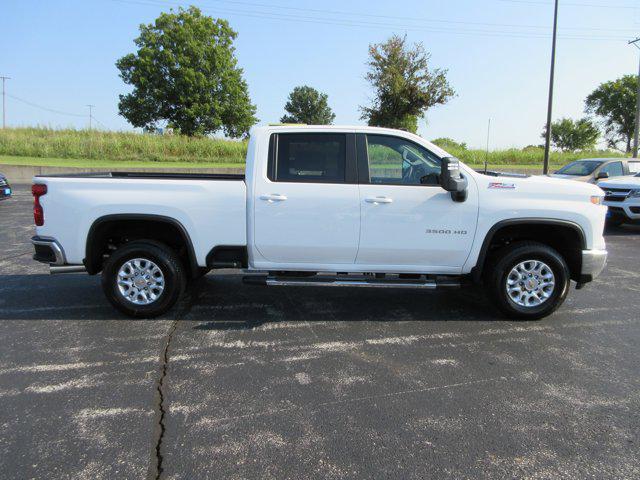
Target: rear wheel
x: 143, y: 279
x: 528, y: 281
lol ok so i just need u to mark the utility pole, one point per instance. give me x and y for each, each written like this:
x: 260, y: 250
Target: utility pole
x: 547, y: 143
x: 90, y: 114
x: 4, y: 104
x: 637, y: 130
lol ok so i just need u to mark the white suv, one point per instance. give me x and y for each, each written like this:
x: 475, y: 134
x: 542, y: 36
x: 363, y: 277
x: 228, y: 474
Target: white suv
x: 622, y: 196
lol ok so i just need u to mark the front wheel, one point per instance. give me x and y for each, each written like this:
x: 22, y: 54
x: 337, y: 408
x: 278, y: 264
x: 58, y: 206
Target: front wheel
x: 528, y: 281
x: 143, y: 279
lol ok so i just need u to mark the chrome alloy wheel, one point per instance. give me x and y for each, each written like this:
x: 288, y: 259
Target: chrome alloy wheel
x: 140, y: 281
x: 530, y: 283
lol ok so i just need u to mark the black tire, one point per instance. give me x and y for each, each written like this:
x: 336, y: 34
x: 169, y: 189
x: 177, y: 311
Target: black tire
x: 166, y: 260
x: 615, y: 221
x: 511, y: 256
x: 200, y: 272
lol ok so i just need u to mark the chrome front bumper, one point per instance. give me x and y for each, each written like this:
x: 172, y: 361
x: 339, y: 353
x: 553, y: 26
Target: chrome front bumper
x: 593, y: 262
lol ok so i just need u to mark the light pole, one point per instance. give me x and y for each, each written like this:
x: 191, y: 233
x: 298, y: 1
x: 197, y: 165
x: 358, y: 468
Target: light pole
x: 4, y: 104
x: 637, y: 130
x: 547, y: 143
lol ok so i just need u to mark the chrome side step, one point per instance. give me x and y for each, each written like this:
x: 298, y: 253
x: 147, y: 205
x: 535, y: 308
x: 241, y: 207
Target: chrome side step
x: 56, y: 269
x: 326, y: 281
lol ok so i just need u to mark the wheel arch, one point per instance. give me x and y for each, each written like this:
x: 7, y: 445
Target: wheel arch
x: 141, y: 226
x: 564, y: 235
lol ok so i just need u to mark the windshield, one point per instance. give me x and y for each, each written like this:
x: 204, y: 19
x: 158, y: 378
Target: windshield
x: 580, y: 169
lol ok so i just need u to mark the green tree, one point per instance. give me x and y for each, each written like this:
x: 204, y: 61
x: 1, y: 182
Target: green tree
x: 569, y: 135
x: 449, y: 144
x: 615, y: 103
x: 185, y: 73
x: 307, y: 105
x: 405, y: 88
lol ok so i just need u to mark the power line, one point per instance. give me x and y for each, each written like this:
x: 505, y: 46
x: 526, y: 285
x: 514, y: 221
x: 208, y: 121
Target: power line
x: 592, y: 5
x: 99, y: 123
x: 52, y: 110
x: 367, y: 24
x: 414, y: 19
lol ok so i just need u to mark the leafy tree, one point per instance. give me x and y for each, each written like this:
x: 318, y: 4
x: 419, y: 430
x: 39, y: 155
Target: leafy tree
x: 185, y: 73
x: 449, y: 144
x: 308, y: 105
x: 569, y: 135
x: 615, y: 103
x: 404, y: 85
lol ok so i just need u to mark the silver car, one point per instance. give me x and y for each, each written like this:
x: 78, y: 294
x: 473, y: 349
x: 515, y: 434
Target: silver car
x: 592, y: 170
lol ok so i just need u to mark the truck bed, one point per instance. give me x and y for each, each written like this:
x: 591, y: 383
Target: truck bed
x: 210, y: 207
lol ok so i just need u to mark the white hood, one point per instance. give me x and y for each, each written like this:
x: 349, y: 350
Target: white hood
x: 630, y: 182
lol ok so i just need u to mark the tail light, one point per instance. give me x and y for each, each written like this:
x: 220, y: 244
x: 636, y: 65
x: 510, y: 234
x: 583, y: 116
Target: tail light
x: 38, y: 190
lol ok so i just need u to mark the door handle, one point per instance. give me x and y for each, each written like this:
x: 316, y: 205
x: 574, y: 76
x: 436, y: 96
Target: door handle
x: 273, y: 197
x: 377, y: 200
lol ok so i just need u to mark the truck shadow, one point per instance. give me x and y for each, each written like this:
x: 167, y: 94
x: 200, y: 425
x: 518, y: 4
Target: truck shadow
x: 626, y: 230
x: 223, y: 302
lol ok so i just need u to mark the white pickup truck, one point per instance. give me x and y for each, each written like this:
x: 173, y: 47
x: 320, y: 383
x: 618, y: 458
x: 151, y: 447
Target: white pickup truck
x: 326, y: 206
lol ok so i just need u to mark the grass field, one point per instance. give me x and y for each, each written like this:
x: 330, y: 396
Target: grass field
x: 108, y: 164
x: 101, y: 149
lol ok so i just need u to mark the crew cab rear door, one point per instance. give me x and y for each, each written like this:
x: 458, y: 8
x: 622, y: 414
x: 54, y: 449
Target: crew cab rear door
x: 409, y: 222
x: 306, y: 205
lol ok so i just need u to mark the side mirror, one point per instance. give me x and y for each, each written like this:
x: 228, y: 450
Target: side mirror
x: 602, y: 175
x: 452, y: 180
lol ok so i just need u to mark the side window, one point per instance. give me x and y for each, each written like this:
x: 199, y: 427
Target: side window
x: 319, y: 158
x: 613, y: 169
x: 396, y: 161
x: 634, y: 167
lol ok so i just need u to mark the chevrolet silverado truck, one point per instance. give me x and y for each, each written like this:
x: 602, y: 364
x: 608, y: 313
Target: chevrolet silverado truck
x: 326, y: 206
x: 622, y: 196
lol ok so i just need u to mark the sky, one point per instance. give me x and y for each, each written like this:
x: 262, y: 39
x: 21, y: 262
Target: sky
x: 60, y: 56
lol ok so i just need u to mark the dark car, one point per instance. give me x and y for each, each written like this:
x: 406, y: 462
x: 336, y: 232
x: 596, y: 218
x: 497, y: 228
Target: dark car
x: 5, y: 188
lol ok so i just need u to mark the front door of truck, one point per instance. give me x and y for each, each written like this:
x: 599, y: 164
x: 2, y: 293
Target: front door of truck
x: 306, y: 206
x: 407, y: 218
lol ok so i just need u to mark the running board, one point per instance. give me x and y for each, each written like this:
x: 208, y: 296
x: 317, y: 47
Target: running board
x: 273, y: 281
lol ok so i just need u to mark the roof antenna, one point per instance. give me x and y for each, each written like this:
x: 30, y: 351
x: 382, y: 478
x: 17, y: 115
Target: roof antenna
x: 486, y: 156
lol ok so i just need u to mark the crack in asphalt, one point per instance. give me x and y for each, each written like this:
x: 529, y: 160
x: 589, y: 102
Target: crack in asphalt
x: 155, y: 469
x: 156, y: 465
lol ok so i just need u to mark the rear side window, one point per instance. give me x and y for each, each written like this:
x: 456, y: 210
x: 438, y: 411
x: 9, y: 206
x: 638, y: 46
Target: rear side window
x: 634, y: 167
x: 319, y: 158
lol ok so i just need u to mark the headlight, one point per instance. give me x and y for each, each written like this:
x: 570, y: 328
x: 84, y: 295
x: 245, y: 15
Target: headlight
x: 634, y: 193
x: 596, y: 199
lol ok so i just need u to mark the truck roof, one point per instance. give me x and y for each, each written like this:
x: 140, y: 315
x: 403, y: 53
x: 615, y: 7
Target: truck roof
x: 349, y: 128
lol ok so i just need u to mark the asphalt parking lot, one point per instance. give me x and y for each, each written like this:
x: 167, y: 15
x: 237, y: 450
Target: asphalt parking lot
x: 251, y: 382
